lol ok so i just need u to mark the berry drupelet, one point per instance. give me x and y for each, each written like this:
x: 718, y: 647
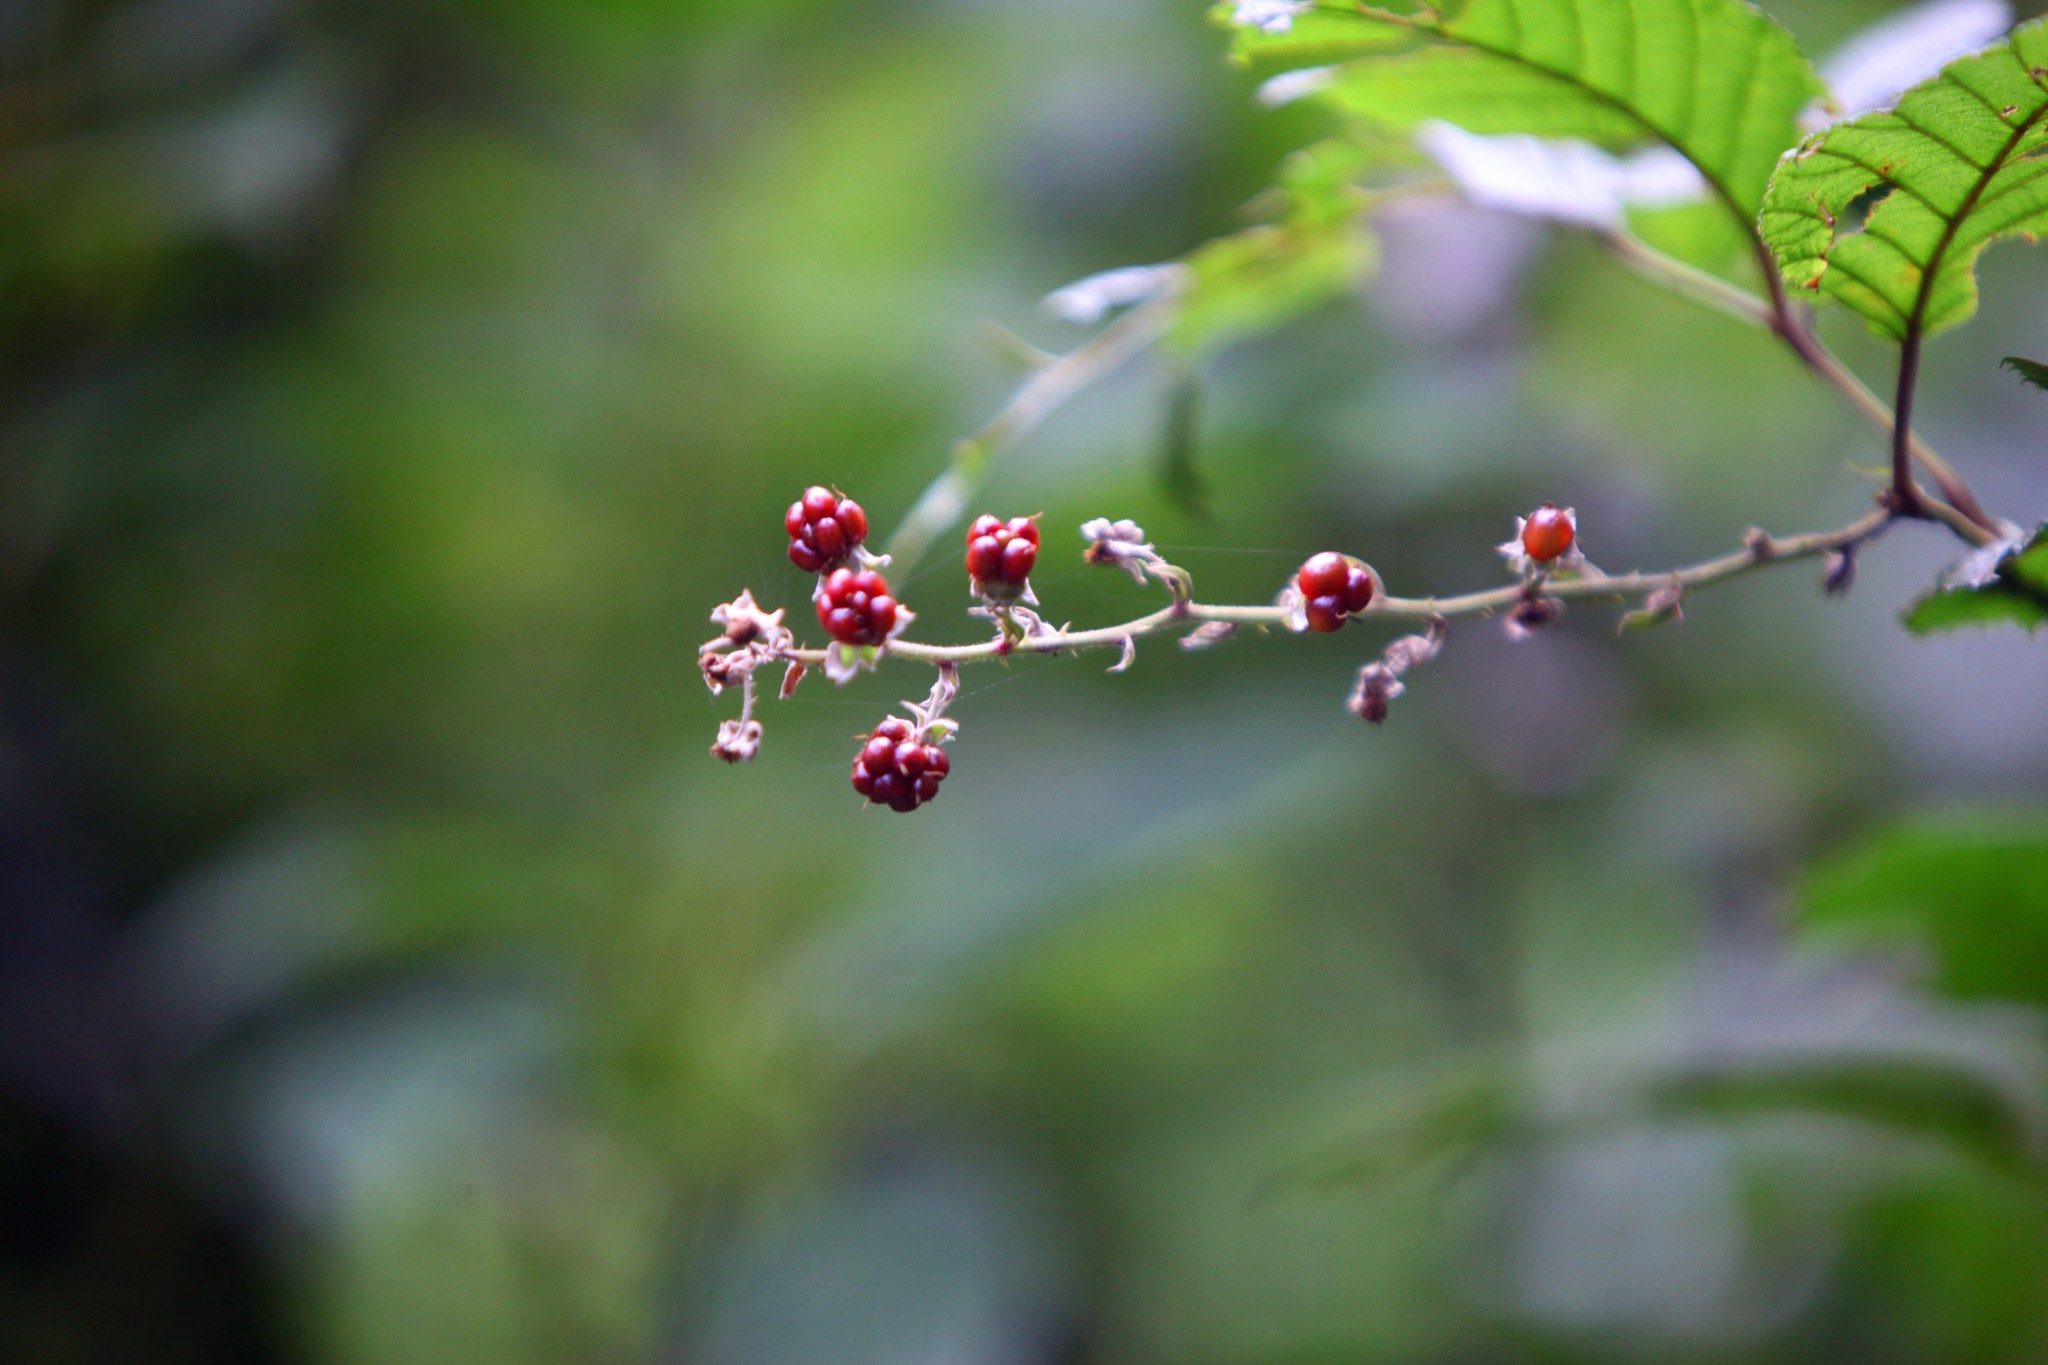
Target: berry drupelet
x: 1332, y: 588
x: 855, y: 607
x: 896, y: 770
x: 1000, y: 555
x: 824, y: 530
x: 1548, y: 533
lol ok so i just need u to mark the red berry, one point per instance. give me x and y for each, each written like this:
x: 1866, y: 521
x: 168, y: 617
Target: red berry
x: 855, y: 606
x: 1548, y: 533
x: 894, y: 769
x: 1001, y: 555
x: 1323, y: 575
x: 824, y: 530
x: 1333, y: 586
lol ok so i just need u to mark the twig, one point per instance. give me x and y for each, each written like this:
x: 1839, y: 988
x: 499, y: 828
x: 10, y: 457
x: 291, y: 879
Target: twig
x: 1757, y: 552
x: 1966, y: 517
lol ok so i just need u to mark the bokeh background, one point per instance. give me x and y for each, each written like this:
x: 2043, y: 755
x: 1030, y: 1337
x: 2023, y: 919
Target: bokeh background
x: 388, y: 975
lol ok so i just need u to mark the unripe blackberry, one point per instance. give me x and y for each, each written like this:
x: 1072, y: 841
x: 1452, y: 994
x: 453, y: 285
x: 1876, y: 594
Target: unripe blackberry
x: 824, y: 530
x: 1333, y: 587
x: 855, y: 607
x: 1001, y: 555
x: 895, y: 769
x: 1549, y: 532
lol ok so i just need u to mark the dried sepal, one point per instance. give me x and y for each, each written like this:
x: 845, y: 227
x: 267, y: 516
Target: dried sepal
x: 1658, y: 608
x: 1122, y: 545
x: 1207, y: 634
x: 1839, y: 574
x: 932, y: 726
x: 1379, y: 682
x: 844, y: 663
x: 1376, y: 687
x: 1128, y: 657
x: 790, y: 678
x: 1293, y: 604
x: 1531, y: 614
x: 738, y: 741
x: 744, y: 623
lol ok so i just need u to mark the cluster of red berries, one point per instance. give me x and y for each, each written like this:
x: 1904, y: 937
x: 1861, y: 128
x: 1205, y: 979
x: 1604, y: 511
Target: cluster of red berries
x: 895, y: 770
x: 855, y: 607
x: 1547, y: 533
x: 1000, y: 555
x: 1333, y: 587
x: 824, y: 530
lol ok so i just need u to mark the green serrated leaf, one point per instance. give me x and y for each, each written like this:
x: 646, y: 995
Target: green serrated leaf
x: 1959, y: 162
x: 2004, y: 584
x: 1718, y: 80
x: 2032, y: 371
x: 1974, y: 892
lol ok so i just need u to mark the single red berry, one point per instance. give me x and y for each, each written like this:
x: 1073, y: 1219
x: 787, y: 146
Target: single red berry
x: 1548, y: 533
x: 824, y: 530
x: 1333, y: 586
x: 896, y: 770
x: 1325, y: 614
x: 855, y: 607
x: 1001, y: 555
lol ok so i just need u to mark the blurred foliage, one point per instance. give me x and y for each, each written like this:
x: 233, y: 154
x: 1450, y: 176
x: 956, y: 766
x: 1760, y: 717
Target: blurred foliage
x: 389, y: 976
x: 1973, y: 892
x: 2003, y: 585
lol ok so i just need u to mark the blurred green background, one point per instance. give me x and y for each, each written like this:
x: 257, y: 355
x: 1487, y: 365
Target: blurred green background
x: 388, y: 975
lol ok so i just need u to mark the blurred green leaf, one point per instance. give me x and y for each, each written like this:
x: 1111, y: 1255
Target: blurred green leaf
x: 1257, y: 279
x: 2005, y: 583
x: 2032, y: 371
x: 1922, y: 1097
x: 1316, y: 37
x: 1404, y: 1123
x: 1180, y: 446
x: 1975, y: 893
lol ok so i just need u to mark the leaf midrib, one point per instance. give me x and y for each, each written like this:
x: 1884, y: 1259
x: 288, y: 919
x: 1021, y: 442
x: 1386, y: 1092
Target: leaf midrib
x: 1953, y: 223
x: 1714, y: 181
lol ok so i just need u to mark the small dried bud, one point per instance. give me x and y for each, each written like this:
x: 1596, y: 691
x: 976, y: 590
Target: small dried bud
x: 1122, y: 545
x: 791, y: 678
x: 738, y: 741
x: 1840, y: 573
x: 1207, y: 634
x: 1377, y: 686
x: 1380, y: 682
x: 1758, y: 542
x: 1410, y: 650
x: 1659, y: 607
x: 1532, y: 614
x: 717, y: 669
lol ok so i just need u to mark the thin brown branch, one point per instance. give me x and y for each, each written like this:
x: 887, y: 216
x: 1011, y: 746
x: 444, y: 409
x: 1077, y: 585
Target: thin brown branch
x: 1757, y: 552
x: 1776, y: 314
